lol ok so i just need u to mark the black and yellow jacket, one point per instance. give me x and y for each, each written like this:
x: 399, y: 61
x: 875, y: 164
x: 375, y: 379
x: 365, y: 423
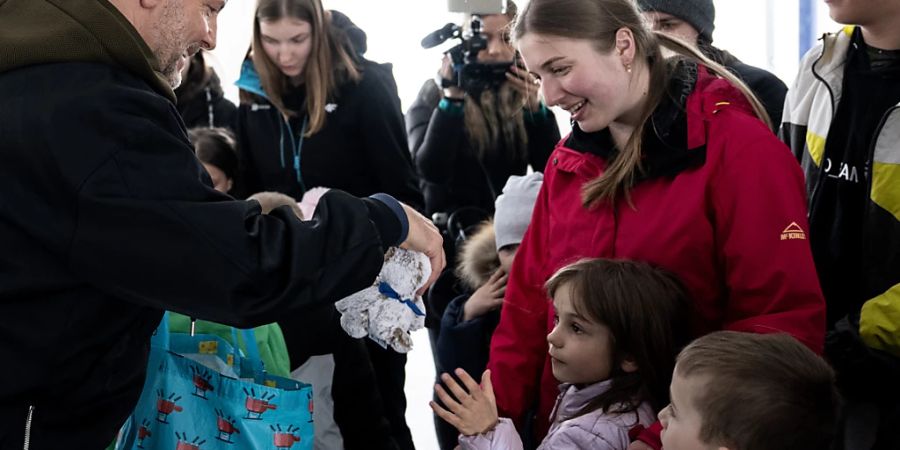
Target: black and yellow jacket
x: 107, y: 219
x: 809, y: 112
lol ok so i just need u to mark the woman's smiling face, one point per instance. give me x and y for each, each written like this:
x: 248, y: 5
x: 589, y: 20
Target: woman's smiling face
x: 592, y: 86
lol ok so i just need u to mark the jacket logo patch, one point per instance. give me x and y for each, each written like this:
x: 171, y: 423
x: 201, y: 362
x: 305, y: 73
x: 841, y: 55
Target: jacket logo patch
x: 259, y: 106
x: 331, y: 107
x: 793, y: 231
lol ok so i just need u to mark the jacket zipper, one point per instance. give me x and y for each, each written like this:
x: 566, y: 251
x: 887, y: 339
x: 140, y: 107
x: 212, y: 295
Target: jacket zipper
x: 28, y: 419
x: 813, y: 197
x: 209, y: 108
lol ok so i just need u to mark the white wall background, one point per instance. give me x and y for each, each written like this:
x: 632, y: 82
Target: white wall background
x: 763, y: 33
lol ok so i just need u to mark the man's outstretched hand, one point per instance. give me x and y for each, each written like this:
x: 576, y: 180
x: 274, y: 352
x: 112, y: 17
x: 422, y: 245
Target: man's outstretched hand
x: 424, y: 237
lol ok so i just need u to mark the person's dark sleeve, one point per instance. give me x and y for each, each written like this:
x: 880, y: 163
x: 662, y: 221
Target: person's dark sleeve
x: 768, y: 89
x: 419, y: 114
x: 442, y: 140
x: 771, y: 91
x: 389, y: 217
x: 465, y: 343
x: 150, y: 229
x: 543, y: 135
x: 385, y: 138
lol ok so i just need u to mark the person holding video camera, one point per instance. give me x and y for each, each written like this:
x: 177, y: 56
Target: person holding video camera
x: 480, y: 121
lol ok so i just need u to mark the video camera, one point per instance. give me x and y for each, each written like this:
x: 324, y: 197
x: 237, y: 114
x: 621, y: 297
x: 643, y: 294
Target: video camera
x: 470, y: 75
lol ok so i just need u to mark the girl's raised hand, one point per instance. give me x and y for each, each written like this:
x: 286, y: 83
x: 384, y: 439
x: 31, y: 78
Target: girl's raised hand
x: 476, y: 410
x: 486, y: 298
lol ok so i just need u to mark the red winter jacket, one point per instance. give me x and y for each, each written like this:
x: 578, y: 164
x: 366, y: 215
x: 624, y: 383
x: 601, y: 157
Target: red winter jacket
x: 727, y: 214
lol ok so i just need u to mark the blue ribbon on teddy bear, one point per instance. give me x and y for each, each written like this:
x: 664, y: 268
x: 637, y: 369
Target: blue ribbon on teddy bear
x: 386, y: 290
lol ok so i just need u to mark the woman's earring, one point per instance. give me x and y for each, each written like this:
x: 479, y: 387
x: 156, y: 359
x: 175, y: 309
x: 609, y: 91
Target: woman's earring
x: 627, y: 65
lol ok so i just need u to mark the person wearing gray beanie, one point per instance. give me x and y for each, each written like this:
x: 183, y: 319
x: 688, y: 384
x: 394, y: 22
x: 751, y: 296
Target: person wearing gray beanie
x: 694, y: 22
x: 513, y: 208
x: 698, y: 14
x: 485, y: 261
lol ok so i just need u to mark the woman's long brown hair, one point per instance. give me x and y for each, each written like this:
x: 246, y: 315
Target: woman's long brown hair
x: 598, y: 21
x: 328, y: 66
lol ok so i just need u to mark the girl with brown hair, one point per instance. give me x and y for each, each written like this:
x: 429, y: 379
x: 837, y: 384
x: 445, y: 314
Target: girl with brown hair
x: 617, y: 326
x: 315, y: 112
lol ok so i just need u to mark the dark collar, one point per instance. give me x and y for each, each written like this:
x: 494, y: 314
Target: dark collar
x: 868, y: 60
x: 294, y: 98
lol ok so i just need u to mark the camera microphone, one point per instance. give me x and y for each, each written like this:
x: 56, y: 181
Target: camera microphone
x: 438, y: 37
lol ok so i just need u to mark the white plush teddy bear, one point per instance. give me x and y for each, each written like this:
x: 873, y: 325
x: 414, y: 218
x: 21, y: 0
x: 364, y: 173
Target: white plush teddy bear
x: 390, y: 309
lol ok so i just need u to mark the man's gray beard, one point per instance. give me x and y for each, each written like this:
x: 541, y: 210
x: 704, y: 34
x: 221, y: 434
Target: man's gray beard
x: 175, y: 79
x: 171, y: 27
x: 172, y: 74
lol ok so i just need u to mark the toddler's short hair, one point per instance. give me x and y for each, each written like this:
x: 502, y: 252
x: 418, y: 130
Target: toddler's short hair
x: 761, y: 392
x: 218, y: 147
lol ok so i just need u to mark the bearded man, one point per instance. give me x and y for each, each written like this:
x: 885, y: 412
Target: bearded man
x: 107, y: 218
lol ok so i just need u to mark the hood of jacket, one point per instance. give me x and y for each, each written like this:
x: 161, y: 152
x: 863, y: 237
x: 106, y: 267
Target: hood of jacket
x: 249, y: 79
x: 478, y: 258
x: 58, y: 31
x: 355, y: 38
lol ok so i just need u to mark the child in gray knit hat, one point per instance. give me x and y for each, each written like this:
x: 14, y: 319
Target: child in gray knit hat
x: 512, y: 212
x: 694, y: 21
x: 484, y: 262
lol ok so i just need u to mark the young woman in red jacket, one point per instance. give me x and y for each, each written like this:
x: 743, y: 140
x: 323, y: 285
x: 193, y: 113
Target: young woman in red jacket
x: 670, y: 161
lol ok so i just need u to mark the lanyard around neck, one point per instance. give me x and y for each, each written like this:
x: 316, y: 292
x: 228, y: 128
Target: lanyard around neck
x: 296, y: 148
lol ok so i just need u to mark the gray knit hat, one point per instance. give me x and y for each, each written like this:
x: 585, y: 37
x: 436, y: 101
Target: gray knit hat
x: 514, y: 206
x: 701, y: 14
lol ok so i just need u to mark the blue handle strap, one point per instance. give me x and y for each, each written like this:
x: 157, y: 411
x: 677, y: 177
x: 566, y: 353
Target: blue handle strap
x: 250, y: 347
